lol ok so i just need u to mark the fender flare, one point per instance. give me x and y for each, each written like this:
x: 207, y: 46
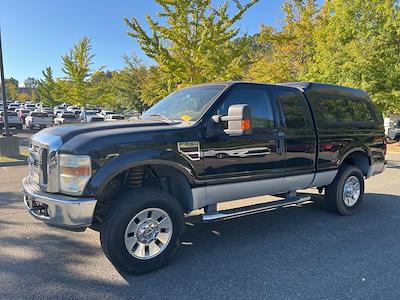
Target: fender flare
x: 353, y: 150
x: 126, y: 161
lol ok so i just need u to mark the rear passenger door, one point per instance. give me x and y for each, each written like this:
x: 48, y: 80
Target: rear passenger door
x: 300, y: 136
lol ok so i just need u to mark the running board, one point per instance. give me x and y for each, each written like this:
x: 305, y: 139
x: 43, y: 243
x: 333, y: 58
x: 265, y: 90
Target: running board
x: 253, y: 209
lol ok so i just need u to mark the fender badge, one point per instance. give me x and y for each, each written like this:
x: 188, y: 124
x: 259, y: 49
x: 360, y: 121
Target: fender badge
x: 190, y: 150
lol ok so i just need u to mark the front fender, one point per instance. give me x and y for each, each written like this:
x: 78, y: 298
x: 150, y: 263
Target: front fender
x: 125, y: 161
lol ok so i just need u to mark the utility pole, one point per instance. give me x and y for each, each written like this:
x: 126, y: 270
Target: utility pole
x: 3, y: 91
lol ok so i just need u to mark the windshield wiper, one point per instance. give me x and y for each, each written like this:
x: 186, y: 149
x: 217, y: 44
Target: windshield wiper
x: 160, y: 116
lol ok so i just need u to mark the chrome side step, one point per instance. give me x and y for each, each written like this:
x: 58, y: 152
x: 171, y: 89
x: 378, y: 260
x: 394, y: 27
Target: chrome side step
x: 253, y: 209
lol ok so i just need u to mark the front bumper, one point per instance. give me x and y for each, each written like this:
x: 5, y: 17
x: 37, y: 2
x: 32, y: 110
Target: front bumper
x: 58, y: 210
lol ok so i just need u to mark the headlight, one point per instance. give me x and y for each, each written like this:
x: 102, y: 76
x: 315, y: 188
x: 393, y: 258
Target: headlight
x: 75, y: 172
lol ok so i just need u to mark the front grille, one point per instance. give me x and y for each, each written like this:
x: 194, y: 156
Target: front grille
x: 38, y: 164
x: 43, y: 161
x: 34, y: 163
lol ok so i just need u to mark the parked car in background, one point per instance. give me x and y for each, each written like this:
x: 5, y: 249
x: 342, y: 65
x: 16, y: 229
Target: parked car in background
x: 30, y: 106
x: 13, y: 106
x: 66, y: 118
x: 37, y: 119
x: 113, y: 118
x: 58, y: 108
x: 13, y: 120
x: 89, y: 115
x: 394, y: 133
x: 22, y: 113
x: 96, y: 118
x: 106, y: 112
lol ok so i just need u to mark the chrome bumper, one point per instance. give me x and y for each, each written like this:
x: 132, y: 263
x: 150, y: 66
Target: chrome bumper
x: 58, y: 210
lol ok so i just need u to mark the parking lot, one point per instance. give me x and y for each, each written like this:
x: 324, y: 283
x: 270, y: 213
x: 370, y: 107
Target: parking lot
x: 296, y: 252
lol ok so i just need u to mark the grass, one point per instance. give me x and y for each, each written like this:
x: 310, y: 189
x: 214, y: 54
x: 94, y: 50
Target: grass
x: 23, y: 156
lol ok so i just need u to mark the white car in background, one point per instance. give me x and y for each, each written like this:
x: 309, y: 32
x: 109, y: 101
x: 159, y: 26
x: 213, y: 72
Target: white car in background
x: 106, y: 112
x: 13, y: 120
x: 66, y: 118
x: 13, y: 106
x: 114, y: 117
x: 38, y: 119
x: 30, y: 106
x: 89, y: 115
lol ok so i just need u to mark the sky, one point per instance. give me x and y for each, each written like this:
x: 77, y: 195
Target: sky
x: 35, y: 34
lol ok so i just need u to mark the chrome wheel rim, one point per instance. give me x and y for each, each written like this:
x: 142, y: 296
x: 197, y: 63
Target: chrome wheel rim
x: 351, y: 191
x: 148, y: 233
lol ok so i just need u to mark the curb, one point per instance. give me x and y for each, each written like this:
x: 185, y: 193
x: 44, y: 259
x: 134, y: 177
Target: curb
x: 13, y: 163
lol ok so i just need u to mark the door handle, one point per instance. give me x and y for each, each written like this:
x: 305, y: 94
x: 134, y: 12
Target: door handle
x: 280, y: 142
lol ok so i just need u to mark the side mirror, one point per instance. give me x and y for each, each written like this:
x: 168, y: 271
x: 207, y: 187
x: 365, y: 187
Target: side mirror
x: 238, y: 118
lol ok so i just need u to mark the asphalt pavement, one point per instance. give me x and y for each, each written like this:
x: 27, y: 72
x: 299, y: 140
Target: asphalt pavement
x: 297, y: 252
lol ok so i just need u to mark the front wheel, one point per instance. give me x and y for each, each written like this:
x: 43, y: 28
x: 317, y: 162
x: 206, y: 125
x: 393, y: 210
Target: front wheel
x: 345, y: 194
x: 141, y: 231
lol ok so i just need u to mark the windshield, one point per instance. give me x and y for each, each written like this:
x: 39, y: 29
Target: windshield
x: 187, y: 104
x: 39, y: 114
x: 68, y: 116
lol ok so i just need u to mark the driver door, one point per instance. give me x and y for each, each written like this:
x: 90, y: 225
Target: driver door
x: 260, y: 155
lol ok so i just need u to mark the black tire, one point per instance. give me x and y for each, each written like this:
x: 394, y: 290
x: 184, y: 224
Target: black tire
x: 334, y: 197
x: 397, y: 138
x: 120, y: 213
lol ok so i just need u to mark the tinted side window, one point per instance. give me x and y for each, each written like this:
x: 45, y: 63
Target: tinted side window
x: 335, y: 109
x: 258, y: 100
x: 345, y: 110
x: 295, y: 110
x: 361, y: 111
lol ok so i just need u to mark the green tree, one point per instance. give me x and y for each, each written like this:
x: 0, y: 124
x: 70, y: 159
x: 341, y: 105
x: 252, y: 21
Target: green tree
x: 76, y: 66
x: 13, y: 81
x: 101, y: 89
x: 23, y: 97
x: 358, y: 44
x: 128, y: 83
x: 11, y: 91
x: 192, y: 41
x: 31, y: 82
x: 288, y: 54
x: 46, y: 88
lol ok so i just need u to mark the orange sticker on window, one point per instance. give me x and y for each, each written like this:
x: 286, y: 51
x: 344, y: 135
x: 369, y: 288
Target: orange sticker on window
x: 186, y: 118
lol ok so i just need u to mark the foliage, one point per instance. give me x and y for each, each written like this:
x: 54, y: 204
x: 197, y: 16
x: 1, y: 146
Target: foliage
x: 191, y: 42
x: 31, y: 82
x: 23, y: 97
x: 353, y: 43
x: 46, y: 88
x: 11, y: 91
x: 127, y: 84
x: 76, y: 66
x: 359, y: 45
x: 290, y: 53
x: 13, y: 81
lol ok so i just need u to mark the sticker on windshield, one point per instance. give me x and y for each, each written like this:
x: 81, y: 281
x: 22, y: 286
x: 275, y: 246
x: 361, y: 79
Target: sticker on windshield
x: 186, y: 118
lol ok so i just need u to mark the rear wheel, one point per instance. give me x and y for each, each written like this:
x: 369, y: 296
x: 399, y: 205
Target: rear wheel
x: 345, y: 194
x: 142, y: 231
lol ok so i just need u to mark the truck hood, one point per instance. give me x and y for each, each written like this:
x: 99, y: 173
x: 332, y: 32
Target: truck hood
x: 67, y: 132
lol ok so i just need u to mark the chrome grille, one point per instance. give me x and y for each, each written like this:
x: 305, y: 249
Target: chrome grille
x: 34, y: 163
x: 43, y: 161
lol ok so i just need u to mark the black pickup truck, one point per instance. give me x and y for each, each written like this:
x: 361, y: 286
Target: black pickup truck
x: 135, y: 180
